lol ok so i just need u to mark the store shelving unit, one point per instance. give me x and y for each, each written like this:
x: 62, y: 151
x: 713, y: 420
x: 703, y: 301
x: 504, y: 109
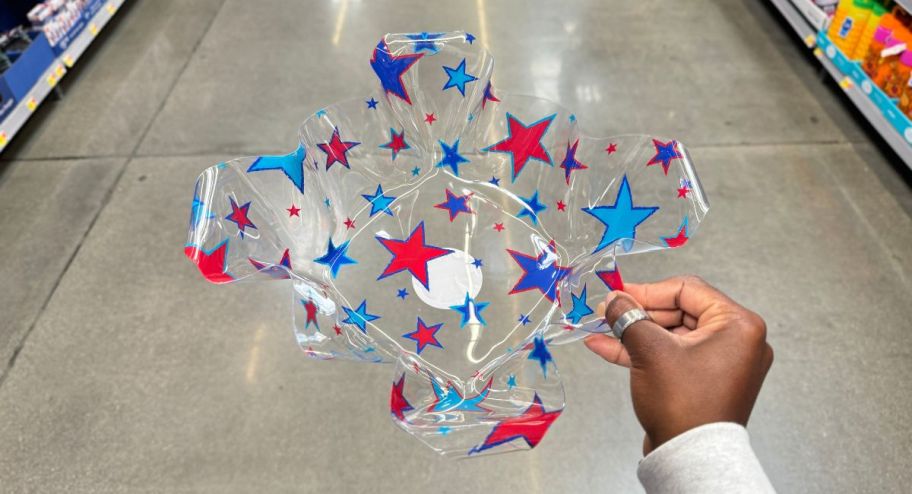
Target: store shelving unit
x: 804, y: 17
x: 48, y: 81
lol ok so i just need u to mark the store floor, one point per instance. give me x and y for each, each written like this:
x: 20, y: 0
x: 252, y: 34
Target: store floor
x: 128, y: 373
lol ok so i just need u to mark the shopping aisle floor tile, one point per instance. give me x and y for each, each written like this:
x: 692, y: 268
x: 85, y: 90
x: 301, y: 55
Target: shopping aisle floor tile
x: 119, y: 85
x: 47, y: 208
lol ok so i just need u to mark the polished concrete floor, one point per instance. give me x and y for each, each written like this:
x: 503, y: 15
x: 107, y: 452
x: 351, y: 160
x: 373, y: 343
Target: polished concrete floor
x: 123, y: 371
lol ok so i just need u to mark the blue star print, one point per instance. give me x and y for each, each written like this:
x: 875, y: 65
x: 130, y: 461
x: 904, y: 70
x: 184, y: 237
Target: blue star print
x: 469, y: 38
x: 542, y: 274
x: 451, y: 157
x: 533, y: 207
x: 494, y: 181
x: 359, y: 317
x: 390, y: 68
x: 458, y: 77
x: 470, y: 311
x: 379, y: 202
x: 416, y: 171
x: 511, y: 381
x: 371, y: 104
x: 292, y: 165
x: 540, y: 352
x: 425, y: 41
x: 402, y: 293
x: 524, y: 319
x: 477, y: 263
x: 580, y: 308
x: 450, y: 400
x: 335, y: 257
x: 621, y: 218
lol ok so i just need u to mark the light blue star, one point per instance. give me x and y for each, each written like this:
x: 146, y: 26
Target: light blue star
x: 580, y: 308
x: 533, y: 207
x: 621, y: 218
x: 326, y: 201
x: 379, y: 202
x: 292, y: 165
x: 458, y: 77
x: 471, y: 311
x: 451, y: 157
x: 335, y: 257
x: 321, y: 113
x: 416, y: 171
x: 199, y: 211
x: 450, y: 400
x: 511, y: 381
x: 425, y: 41
x: 443, y: 430
x: 359, y: 317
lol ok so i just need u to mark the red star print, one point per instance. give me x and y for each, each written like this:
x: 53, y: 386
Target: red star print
x: 612, y: 279
x: 679, y: 239
x: 336, y: 150
x: 499, y: 227
x: 311, y: 309
x: 211, y: 264
x: 424, y: 335
x: 411, y: 254
x: 429, y: 118
x: 397, y: 143
x: 398, y: 404
x: 524, y: 142
x: 239, y: 215
x: 349, y: 223
x: 337, y: 329
x: 293, y: 211
x: 568, y: 328
x: 531, y: 427
x: 561, y: 206
x: 611, y: 148
x: 682, y: 192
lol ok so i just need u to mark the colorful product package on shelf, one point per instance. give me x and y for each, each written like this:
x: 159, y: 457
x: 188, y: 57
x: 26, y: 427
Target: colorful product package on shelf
x: 872, y: 24
x: 455, y: 231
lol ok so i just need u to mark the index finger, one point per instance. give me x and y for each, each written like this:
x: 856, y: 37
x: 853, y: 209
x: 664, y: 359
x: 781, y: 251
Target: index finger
x: 686, y: 293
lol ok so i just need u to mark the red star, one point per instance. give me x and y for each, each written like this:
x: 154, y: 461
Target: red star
x: 293, y: 211
x: 311, y: 309
x: 337, y: 329
x: 568, y: 328
x: 612, y: 279
x: 211, y: 264
x: 398, y: 404
x: 336, y: 150
x: 531, y: 427
x: 239, y: 215
x: 561, y: 206
x: 397, y: 143
x: 499, y: 227
x: 524, y: 142
x: 424, y: 335
x: 411, y: 255
x: 679, y: 239
x: 682, y: 192
x: 349, y: 223
x: 429, y: 118
x: 611, y: 148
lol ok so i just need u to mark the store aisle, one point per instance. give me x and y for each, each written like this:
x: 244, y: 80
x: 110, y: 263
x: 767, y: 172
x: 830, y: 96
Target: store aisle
x: 129, y: 373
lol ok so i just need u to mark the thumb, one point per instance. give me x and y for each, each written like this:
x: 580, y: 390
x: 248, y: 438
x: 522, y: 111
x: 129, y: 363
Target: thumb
x: 645, y: 341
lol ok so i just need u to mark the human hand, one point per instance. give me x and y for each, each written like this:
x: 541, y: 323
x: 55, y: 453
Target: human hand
x: 701, y: 359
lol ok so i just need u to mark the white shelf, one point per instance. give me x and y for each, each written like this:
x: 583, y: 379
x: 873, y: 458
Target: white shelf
x: 24, y: 108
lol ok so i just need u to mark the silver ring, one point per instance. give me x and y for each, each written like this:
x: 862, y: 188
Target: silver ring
x: 626, y: 319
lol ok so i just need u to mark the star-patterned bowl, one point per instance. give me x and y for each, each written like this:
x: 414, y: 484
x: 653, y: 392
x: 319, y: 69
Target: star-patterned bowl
x: 452, y: 230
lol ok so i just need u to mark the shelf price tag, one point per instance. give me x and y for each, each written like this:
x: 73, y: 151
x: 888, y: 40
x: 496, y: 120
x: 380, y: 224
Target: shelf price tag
x: 111, y: 8
x: 93, y: 29
x: 58, y: 71
x: 810, y: 40
x: 846, y: 83
x: 68, y: 60
x: 52, y: 80
x: 2, y: 139
x: 31, y: 104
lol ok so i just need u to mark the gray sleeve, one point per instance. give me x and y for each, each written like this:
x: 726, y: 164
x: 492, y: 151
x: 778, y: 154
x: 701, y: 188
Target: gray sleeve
x: 710, y: 458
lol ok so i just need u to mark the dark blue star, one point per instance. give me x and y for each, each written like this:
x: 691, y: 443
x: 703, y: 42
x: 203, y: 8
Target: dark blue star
x: 359, y: 317
x: 533, y: 207
x: 621, y: 218
x: 580, y: 308
x: 379, y: 202
x: 371, y: 103
x: 425, y: 41
x: 402, y: 293
x: 390, y: 68
x: 494, y: 181
x: 665, y: 152
x: 524, y: 319
x: 455, y: 204
x: 477, y: 263
x: 292, y: 165
x: 542, y: 273
x: 451, y: 157
x: 458, y: 77
x: 570, y: 163
x: 540, y: 352
x: 471, y: 311
x: 469, y: 38
x: 335, y: 257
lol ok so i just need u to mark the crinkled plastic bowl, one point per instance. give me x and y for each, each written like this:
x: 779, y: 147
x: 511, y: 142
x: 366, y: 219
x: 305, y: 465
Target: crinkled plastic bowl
x: 454, y: 231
